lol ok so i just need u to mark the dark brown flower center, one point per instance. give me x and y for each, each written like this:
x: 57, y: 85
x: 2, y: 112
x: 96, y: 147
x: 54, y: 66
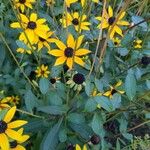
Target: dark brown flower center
x: 116, y: 43
x: 22, y: 1
x: 53, y: 80
x: 68, y: 52
x: 3, y: 126
x: 42, y: 39
x: 75, y: 21
x: 13, y: 144
x: 78, y: 78
x: 111, y: 20
x: 145, y: 60
x: 113, y: 91
x: 31, y: 25
x: 95, y: 139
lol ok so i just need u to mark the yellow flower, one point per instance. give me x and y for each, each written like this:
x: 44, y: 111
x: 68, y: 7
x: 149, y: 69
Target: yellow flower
x: 33, y: 28
x: 108, y: 21
x: 138, y: 44
x: 45, y: 41
x: 50, y: 2
x: 16, y: 144
x: 116, y: 41
x: 69, y: 2
x: 14, y: 100
x: 75, y: 20
x: 69, y: 53
x: 22, y: 4
x: 4, y: 103
x: 42, y: 71
x: 6, y: 129
x: 79, y: 148
x: 113, y: 90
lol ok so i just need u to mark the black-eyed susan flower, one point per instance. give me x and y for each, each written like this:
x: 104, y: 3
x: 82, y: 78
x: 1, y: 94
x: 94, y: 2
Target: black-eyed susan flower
x: 4, y: 103
x: 45, y: 41
x: 79, y: 148
x: 33, y: 28
x: 42, y: 71
x: 108, y: 22
x: 6, y: 129
x: 77, y: 81
x: 76, y: 20
x: 113, y: 90
x: 69, y: 53
x: 116, y: 41
x: 69, y: 2
x: 16, y: 144
x: 138, y: 44
x: 22, y: 4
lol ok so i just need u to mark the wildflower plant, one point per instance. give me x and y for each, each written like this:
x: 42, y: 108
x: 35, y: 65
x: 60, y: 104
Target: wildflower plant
x: 74, y: 74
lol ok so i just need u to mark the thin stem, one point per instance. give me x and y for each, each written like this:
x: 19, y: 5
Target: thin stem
x: 30, y: 114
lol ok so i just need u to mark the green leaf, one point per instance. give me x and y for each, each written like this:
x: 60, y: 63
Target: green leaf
x: 44, y: 85
x: 63, y: 135
x: 104, y: 102
x: 91, y: 104
x: 88, y: 87
x: 54, y: 110
x: 30, y: 100
x: 130, y: 85
x: 50, y: 140
x: 97, y: 125
x: 76, y: 118
x: 83, y: 129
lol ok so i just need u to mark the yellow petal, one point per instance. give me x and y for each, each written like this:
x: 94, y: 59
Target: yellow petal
x: 14, y: 135
x: 70, y: 41
x: 78, y: 147
x: 78, y: 61
x: 69, y: 62
x: 60, y: 44
x: 118, y: 83
x: 118, y: 30
x: 121, y: 92
x: 33, y: 17
x: 15, y: 25
x: 123, y: 23
x: 121, y: 16
x: 110, y: 11
x: 82, y: 51
x: 41, y: 21
x: 76, y: 15
x: 24, y: 18
x: 108, y: 93
x: 79, y: 41
x: 60, y: 60
x: 56, y: 52
x: 4, y: 144
x: 16, y: 124
x: 24, y: 138
x: 10, y: 114
x: 84, y: 147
